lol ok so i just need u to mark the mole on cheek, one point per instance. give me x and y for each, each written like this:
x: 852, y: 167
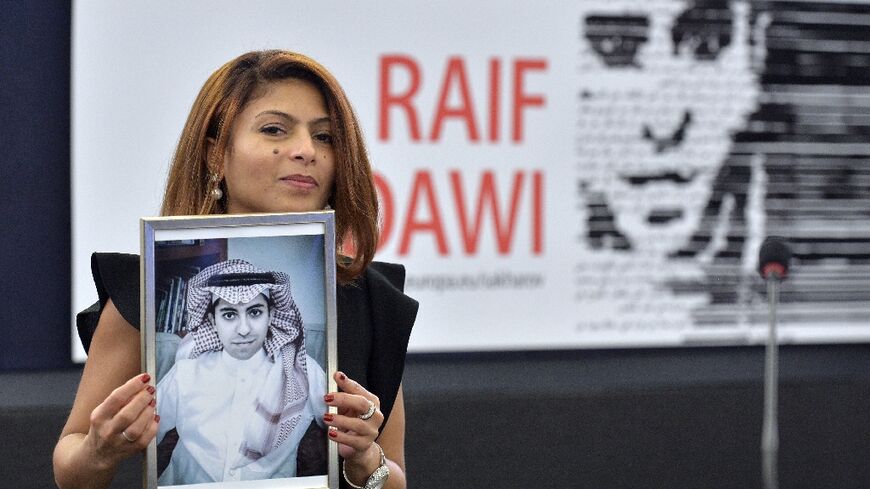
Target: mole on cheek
x: 275, y: 151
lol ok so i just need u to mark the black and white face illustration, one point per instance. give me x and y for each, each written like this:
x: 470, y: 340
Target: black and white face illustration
x: 663, y: 86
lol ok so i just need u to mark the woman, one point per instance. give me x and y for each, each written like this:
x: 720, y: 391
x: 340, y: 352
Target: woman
x: 246, y: 394
x: 269, y: 132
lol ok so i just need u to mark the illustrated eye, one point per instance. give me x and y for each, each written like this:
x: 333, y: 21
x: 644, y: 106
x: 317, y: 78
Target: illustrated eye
x: 703, y: 30
x: 617, y: 38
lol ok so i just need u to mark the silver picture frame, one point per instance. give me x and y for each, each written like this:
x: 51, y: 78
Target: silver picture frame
x: 174, y: 249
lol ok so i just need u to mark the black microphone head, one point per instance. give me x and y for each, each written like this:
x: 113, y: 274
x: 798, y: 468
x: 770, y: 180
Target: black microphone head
x: 774, y: 257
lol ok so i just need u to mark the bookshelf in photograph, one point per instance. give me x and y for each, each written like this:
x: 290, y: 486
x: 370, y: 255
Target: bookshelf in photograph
x: 175, y: 263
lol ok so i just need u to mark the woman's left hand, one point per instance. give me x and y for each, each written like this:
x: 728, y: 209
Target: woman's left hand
x: 355, y: 427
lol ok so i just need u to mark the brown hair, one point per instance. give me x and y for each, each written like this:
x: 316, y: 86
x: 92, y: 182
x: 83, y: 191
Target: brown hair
x: 204, y: 140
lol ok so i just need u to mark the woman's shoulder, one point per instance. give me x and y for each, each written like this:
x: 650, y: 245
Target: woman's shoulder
x: 386, y: 282
x: 393, y: 273
x: 378, y: 290
x: 116, y: 277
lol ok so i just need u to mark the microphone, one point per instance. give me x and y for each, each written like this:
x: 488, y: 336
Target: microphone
x: 773, y: 258
x: 773, y: 261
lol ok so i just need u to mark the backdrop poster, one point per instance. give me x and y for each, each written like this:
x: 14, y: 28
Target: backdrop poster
x: 581, y: 175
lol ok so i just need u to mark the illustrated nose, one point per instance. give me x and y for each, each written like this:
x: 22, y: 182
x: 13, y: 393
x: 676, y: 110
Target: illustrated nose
x: 665, y: 141
x: 303, y: 149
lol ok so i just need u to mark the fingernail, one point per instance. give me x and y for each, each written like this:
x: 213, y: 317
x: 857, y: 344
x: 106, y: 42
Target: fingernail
x: 342, y: 376
x: 333, y: 433
x: 145, y: 378
x: 153, y: 402
x: 150, y: 389
x: 157, y: 418
x: 329, y: 398
x: 328, y: 417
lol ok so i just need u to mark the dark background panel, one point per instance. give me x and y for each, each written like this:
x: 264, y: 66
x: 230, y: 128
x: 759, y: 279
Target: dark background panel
x: 35, y: 184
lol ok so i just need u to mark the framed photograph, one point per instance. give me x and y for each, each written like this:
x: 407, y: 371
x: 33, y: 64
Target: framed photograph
x: 239, y: 332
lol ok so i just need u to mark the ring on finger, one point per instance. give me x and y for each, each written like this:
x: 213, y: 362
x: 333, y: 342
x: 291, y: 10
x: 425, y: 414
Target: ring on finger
x: 127, y: 437
x: 368, y: 414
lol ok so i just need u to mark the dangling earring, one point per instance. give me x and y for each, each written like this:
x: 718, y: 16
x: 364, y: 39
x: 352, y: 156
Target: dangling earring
x: 216, y: 192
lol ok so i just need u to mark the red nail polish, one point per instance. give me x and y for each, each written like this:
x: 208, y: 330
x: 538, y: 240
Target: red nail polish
x: 328, y: 417
x: 145, y: 378
x: 329, y: 398
x: 153, y: 402
x: 342, y: 376
x: 333, y: 433
x: 151, y: 389
x: 157, y: 418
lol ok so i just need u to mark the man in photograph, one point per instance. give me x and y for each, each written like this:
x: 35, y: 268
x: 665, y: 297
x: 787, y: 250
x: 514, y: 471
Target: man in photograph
x: 247, y: 392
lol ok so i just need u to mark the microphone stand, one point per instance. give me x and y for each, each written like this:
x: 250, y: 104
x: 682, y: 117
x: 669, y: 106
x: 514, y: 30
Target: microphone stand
x: 770, y: 429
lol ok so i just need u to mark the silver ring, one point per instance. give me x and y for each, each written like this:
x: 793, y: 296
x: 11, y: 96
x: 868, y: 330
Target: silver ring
x: 127, y: 437
x: 368, y: 414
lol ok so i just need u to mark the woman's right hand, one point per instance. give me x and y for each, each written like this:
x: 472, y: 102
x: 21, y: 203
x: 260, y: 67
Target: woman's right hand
x: 112, y: 399
x: 124, y: 423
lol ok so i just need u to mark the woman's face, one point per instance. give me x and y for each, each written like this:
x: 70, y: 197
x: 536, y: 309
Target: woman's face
x: 280, y: 156
x: 242, y: 328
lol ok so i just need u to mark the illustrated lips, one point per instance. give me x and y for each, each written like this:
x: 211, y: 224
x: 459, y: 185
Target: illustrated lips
x: 301, y: 180
x: 674, y: 177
